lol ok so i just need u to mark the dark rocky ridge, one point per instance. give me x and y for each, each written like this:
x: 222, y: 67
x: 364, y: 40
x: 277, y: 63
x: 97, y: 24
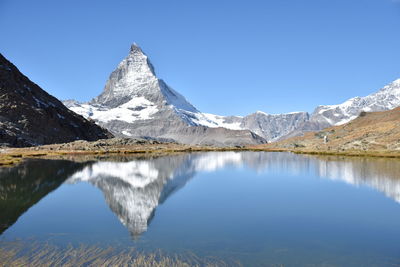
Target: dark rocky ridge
x: 29, y: 116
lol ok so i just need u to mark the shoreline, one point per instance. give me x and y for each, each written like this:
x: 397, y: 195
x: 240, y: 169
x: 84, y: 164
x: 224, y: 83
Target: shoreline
x: 13, y: 156
x: 346, y: 153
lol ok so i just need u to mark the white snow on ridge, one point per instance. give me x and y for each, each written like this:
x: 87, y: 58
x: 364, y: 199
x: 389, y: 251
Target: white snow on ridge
x: 175, y: 99
x: 385, y: 99
x: 214, y: 121
x: 127, y: 133
x: 344, y: 121
x: 138, y: 108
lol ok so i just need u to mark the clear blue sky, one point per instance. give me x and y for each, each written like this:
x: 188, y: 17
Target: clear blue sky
x: 226, y: 57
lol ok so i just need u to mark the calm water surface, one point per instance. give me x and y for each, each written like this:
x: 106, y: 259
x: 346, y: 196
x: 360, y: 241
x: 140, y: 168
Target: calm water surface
x: 254, y: 207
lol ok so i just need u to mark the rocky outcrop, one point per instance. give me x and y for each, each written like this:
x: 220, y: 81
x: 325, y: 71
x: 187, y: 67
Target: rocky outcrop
x: 29, y: 116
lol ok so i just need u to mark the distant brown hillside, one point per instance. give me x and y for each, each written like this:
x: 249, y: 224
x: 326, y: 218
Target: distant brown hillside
x: 372, y: 131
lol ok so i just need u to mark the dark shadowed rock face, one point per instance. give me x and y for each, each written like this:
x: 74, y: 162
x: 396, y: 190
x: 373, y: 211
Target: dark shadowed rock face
x: 29, y: 116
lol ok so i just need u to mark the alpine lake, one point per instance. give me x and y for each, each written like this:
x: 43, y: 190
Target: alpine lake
x: 202, y: 209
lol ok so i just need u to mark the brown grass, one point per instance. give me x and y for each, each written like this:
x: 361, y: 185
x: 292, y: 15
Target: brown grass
x: 14, y: 156
x: 43, y: 254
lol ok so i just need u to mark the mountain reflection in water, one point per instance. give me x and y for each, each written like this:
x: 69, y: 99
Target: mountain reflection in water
x: 134, y: 189
x: 23, y: 186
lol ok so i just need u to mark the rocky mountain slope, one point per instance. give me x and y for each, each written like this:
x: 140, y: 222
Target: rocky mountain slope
x: 136, y: 103
x: 269, y: 126
x: 29, y: 116
x: 370, y: 131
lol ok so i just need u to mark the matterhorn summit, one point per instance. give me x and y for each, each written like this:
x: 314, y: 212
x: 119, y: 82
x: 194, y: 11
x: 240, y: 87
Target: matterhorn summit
x: 136, y: 103
x: 135, y: 78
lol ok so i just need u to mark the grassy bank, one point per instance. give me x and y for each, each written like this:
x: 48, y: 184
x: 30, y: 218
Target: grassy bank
x: 347, y: 153
x: 43, y: 254
x: 10, y: 157
x: 352, y: 153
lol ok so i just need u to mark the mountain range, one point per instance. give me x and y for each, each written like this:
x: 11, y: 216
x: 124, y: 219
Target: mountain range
x: 386, y: 98
x: 136, y: 103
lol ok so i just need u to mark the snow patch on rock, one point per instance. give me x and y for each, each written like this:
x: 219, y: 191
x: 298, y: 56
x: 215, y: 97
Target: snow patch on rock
x: 138, y: 108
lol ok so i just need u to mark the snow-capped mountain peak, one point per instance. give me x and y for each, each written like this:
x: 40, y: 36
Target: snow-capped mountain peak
x: 135, y: 95
x: 392, y: 88
x: 134, y: 76
x: 136, y: 48
x: 136, y: 103
x: 386, y: 98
